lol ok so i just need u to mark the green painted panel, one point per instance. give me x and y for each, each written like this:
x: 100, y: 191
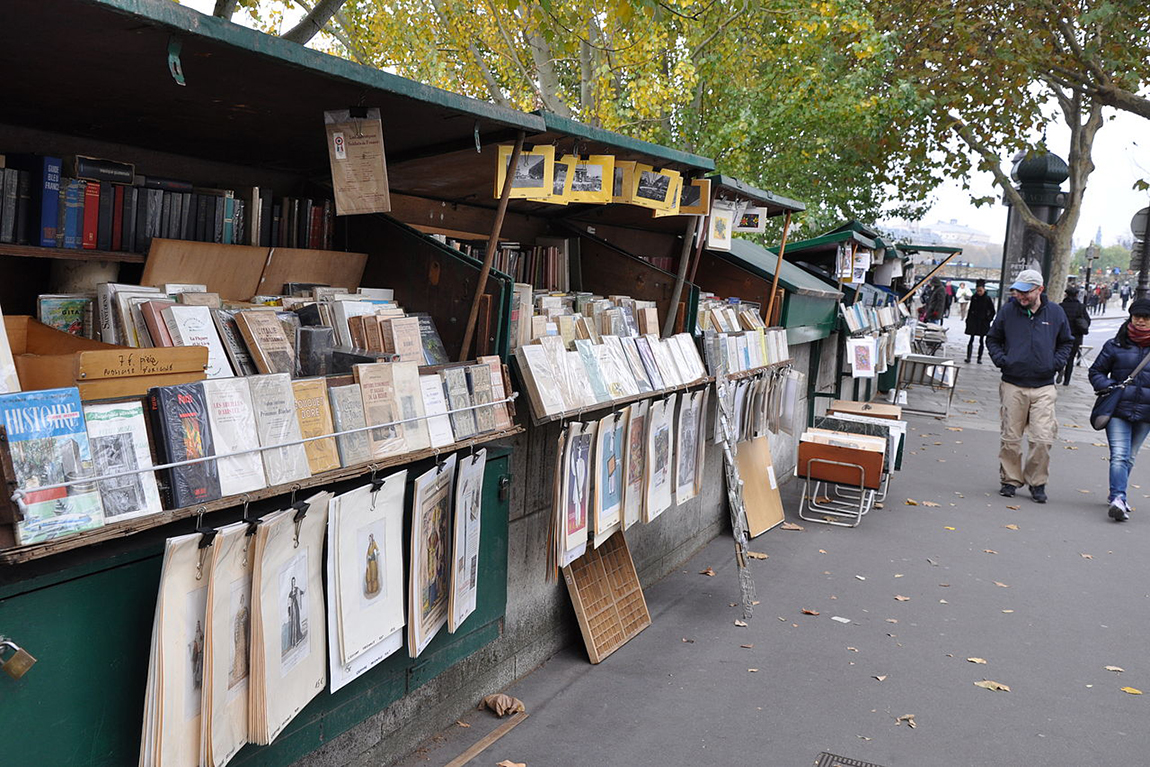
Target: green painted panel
x: 90, y: 628
x: 807, y: 318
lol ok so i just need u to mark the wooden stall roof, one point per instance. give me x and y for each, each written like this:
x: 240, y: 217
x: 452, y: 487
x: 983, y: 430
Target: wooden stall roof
x: 270, y: 93
x: 760, y: 261
x: 775, y: 204
x: 825, y: 243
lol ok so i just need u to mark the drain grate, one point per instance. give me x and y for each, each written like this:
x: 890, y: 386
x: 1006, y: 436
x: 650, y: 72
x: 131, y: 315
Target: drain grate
x: 830, y: 760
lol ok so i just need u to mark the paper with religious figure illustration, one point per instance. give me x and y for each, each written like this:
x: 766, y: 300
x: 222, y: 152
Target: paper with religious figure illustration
x: 366, y: 542
x: 465, y: 542
x: 687, y: 444
x: 227, y: 661
x: 288, y: 637
x: 179, y: 644
x: 429, y: 581
x: 635, y: 465
x: 575, y: 498
x: 607, y: 489
x: 660, y: 457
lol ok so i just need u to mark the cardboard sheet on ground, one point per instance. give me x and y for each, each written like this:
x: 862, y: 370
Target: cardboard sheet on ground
x: 760, y: 486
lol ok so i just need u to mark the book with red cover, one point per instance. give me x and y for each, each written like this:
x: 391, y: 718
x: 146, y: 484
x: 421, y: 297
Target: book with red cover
x: 154, y: 320
x: 91, y: 214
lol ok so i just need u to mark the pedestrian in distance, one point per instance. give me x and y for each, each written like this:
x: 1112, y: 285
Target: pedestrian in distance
x: 1124, y: 294
x: 962, y: 296
x: 978, y: 318
x: 1130, y: 422
x: 949, y: 298
x: 934, y: 302
x: 1028, y: 341
x: 1079, y: 320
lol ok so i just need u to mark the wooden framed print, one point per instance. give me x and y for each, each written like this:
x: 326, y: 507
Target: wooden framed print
x: 695, y: 198
x: 676, y: 192
x: 719, y: 226
x: 592, y: 179
x: 560, y: 182
x: 534, y: 172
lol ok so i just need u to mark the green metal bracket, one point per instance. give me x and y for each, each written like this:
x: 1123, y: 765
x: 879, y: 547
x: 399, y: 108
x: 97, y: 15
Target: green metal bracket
x: 174, y: 65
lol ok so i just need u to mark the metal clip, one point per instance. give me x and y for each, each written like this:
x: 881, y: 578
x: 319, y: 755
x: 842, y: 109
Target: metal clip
x: 294, y: 489
x: 174, y: 66
x: 478, y: 145
x: 301, y: 508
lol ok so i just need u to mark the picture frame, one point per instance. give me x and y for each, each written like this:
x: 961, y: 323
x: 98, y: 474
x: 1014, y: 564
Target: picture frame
x: 652, y: 188
x: 720, y: 225
x: 561, y: 179
x: 592, y: 179
x: 534, y: 174
x: 624, y: 175
x: 753, y: 220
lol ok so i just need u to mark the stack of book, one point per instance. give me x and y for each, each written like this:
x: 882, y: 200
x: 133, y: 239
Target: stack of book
x: 546, y: 265
x: 735, y: 338
x: 93, y: 203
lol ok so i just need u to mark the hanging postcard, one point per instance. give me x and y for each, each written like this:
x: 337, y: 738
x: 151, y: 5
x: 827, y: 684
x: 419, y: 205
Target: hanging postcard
x: 358, y: 167
x: 861, y: 353
x: 465, y: 541
x: 752, y: 220
x: 695, y: 199
x: 651, y: 188
x: 575, y: 496
x: 610, y: 447
x: 624, y: 181
x: 719, y: 226
x: 675, y: 197
x: 843, y: 267
x: 534, y: 172
x: 430, y: 556
x: 592, y: 178
x: 561, y: 179
x: 227, y: 659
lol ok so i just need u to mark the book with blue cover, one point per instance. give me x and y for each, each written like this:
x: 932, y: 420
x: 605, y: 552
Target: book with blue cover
x: 49, y: 446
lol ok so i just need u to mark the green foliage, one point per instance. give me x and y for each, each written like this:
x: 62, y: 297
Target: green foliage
x: 1109, y: 258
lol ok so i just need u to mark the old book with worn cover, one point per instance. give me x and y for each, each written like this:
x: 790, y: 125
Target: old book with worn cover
x: 498, y: 392
x: 434, y: 353
x: 274, y: 403
x: 459, y: 397
x: 233, y: 422
x: 118, y: 434
x: 479, y: 383
x: 266, y: 341
x: 234, y: 345
x: 193, y: 326
x: 347, y: 413
x: 408, y: 342
x: 435, y: 405
x: 409, y: 401
x: 49, y: 445
x: 314, y: 413
x: 180, y: 416
x: 377, y: 387
x: 64, y: 311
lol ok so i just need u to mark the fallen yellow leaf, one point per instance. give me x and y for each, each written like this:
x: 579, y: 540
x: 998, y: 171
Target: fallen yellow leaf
x: 1132, y: 690
x: 756, y: 555
x: 1015, y: 508
x: 746, y: 646
x: 509, y: 763
x: 901, y: 598
x: 462, y: 724
x: 1086, y: 556
x: 709, y: 572
x: 908, y: 718
x: 954, y: 428
x: 741, y: 624
x: 1008, y: 611
x: 752, y: 670
x: 892, y: 620
x: 878, y: 505
x: 911, y: 502
x: 989, y: 551
x: 977, y: 660
x: 1071, y: 447
x: 1098, y: 444
x: 1011, y: 527
x: 822, y: 551
x: 1001, y: 585
x: 950, y: 528
x: 853, y: 649
x: 1084, y: 491
x: 805, y: 611
x: 931, y: 504
x: 880, y: 677
x: 1114, y: 668
x: 986, y: 684
x: 791, y: 526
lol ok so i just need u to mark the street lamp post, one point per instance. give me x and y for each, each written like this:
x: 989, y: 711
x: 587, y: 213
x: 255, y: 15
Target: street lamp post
x: 1091, y: 254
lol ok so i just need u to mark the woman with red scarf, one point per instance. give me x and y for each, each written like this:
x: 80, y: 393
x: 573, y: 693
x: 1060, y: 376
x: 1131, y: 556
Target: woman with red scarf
x: 1130, y: 422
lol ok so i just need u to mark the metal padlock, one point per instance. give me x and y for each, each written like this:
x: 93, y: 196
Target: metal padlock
x: 21, y: 660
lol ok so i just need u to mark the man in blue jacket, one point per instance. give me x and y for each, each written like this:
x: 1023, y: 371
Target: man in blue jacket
x: 1028, y: 341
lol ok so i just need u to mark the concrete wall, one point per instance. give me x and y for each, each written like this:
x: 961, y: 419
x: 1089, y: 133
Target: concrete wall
x: 539, y: 620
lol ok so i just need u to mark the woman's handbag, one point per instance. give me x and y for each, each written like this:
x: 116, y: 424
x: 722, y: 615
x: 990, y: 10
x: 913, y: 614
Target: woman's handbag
x: 1107, y: 401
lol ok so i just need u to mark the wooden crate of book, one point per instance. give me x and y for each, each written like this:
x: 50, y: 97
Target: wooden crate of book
x: 47, y: 358
x: 846, y: 454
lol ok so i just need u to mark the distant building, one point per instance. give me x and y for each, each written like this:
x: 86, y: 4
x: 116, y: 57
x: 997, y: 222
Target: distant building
x: 940, y: 233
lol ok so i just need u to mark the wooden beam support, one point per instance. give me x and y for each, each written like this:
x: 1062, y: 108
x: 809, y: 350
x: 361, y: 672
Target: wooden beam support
x: 933, y: 272
x: 680, y: 278
x: 778, y: 267
x: 492, y: 244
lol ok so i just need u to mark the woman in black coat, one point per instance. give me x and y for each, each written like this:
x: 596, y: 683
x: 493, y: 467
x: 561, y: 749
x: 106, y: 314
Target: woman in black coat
x: 1130, y: 422
x: 978, y: 319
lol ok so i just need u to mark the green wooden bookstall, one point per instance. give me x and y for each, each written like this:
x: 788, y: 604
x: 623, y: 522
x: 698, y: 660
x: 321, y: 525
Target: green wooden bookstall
x: 249, y: 113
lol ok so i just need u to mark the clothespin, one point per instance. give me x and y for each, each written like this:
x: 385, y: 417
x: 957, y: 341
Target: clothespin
x: 253, y: 522
x: 301, y: 508
x: 207, y: 538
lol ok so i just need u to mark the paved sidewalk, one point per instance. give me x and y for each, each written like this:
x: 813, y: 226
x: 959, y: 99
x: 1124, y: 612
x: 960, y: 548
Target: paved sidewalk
x: 1048, y: 596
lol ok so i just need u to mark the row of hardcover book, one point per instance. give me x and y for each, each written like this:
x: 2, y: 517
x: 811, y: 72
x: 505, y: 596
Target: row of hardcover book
x: 95, y: 204
x: 252, y: 433
x: 536, y: 313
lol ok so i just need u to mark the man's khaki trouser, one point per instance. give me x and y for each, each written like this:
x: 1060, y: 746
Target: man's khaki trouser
x: 1031, y: 412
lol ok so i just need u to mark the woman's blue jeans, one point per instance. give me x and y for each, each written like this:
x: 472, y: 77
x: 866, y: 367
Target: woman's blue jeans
x: 1125, y: 439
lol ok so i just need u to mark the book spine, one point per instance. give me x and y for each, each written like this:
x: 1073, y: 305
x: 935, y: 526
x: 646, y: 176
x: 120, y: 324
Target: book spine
x: 229, y: 231
x: 165, y: 184
x: 61, y: 212
x: 128, y: 216
x: 303, y: 224
x: 187, y: 215
x: 94, y: 169
x: 266, y: 208
x: 91, y: 215
x: 74, y: 214
x: 218, y: 224
x: 8, y: 205
x: 294, y: 223
x: 107, y: 331
x: 315, y: 239
x: 143, y: 235
x: 203, y: 210
x: 49, y: 206
x: 165, y: 214
x: 239, y: 231
x: 118, y: 218
x: 104, y: 217
x: 328, y: 225
x: 23, y: 206
x: 274, y: 229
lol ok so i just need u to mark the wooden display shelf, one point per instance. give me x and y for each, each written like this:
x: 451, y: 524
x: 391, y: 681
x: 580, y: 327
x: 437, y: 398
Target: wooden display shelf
x: 114, y: 530
x: 72, y: 254
x: 617, y: 403
x: 738, y: 376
